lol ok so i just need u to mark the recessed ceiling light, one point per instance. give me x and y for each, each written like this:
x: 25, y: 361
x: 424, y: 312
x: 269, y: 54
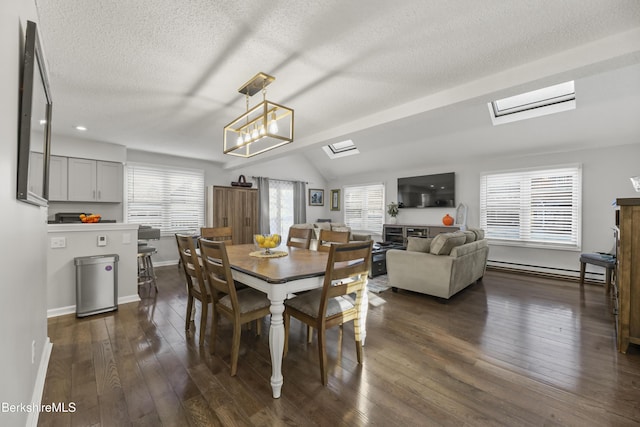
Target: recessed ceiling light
x: 81, y: 128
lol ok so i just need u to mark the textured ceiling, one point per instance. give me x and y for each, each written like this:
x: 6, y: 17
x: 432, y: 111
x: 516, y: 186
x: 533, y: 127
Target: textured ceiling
x: 162, y: 76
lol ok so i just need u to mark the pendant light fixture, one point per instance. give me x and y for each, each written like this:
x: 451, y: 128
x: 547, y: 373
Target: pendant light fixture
x: 262, y: 128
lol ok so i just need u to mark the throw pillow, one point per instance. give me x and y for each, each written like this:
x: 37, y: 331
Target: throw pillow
x: 443, y: 243
x: 419, y: 244
x: 479, y: 232
x: 470, y: 235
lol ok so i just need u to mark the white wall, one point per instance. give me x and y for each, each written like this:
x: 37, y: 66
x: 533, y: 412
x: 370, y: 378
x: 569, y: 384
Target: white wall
x: 23, y: 261
x: 605, y: 177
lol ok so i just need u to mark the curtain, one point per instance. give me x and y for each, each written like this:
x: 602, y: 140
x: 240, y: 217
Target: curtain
x: 299, y: 202
x: 263, y: 200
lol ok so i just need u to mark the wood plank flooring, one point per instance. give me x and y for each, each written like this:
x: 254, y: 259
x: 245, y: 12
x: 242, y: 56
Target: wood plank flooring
x: 512, y: 350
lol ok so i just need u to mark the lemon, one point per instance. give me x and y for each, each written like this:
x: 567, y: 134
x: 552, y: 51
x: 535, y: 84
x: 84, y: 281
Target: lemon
x: 259, y: 239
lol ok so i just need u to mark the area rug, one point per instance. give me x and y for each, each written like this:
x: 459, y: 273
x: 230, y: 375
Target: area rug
x: 378, y: 284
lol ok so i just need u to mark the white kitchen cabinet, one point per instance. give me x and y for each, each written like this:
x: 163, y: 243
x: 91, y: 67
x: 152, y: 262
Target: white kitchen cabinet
x: 57, y: 178
x: 94, y: 181
x: 36, y: 168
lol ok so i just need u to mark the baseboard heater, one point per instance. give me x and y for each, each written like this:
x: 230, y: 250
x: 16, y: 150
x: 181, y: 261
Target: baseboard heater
x: 539, y: 270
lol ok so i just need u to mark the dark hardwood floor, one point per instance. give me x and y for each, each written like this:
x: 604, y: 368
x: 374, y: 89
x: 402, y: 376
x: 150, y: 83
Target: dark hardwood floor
x: 513, y: 350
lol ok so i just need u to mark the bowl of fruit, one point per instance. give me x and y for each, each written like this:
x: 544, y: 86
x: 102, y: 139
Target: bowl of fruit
x: 267, y: 241
x: 90, y: 218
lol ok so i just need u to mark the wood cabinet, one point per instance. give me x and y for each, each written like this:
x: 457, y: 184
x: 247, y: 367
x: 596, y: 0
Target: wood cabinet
x: 627, y: 283
x: 94, y: 181
x: 399, y: 233
x: 236, y: 207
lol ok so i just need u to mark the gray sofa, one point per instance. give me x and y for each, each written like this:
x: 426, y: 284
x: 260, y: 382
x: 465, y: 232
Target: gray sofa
x: 440, y: 266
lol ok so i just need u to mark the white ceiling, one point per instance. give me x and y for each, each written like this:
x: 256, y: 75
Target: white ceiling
x: 407, y: 81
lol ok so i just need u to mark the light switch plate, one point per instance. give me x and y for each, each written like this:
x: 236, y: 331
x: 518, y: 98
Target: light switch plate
x: 102, y: 240
x: 58, y: 242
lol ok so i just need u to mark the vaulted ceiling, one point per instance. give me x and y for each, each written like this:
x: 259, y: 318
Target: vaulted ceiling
x: 407, y: 81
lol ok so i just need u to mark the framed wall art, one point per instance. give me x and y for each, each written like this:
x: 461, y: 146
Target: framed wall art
x: 335, y: 200
x: 316, y: 197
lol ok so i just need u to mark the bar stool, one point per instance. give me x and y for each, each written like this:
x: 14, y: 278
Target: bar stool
x: 602, y: 260
x: 145, y: 265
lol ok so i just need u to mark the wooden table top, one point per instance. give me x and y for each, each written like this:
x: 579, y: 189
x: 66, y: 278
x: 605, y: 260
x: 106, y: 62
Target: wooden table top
x: 298, y: 264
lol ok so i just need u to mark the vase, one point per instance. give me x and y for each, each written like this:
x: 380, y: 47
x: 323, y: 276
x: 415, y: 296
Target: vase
x: 447, y: 220
x: 393, y: 220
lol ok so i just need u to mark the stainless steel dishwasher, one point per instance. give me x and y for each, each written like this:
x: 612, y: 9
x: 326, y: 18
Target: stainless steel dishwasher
x: 96, y: 284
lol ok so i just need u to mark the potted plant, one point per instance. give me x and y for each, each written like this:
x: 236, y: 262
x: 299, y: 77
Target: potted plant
x: 392, y: 210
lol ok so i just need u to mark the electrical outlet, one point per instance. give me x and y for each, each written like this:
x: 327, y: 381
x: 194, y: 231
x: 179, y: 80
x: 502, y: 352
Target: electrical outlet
x: 102, y: 240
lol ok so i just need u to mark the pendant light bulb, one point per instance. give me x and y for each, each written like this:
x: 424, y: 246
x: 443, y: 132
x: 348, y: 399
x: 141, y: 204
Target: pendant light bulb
x: 254, y: 133
x: 247, y: 136
x: 239, y: 141
x: 273, y: 124
x: 263, y: 131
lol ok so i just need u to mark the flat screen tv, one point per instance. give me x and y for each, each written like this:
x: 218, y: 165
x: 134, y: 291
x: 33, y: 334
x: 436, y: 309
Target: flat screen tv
x: 427, y: 191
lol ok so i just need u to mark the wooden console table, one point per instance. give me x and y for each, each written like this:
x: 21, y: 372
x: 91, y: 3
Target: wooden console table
x: 398, y: 233
x: 627, y: 283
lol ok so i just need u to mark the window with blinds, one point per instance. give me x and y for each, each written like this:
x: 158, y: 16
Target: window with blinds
x: 167, y: 198
x: 532, y: 207
x: 364, y: 207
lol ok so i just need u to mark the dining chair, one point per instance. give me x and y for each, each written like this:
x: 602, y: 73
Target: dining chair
x: 239, y: 306
x: 217, y: 233
x: 299, y: 237
x: 327, y: 237
x: 196, y: 285
x: 347, y: 272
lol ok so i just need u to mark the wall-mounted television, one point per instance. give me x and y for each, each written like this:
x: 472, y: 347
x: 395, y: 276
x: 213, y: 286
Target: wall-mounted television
x: 427, y: 191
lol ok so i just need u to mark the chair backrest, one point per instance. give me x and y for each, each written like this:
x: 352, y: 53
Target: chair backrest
x: 191, y: 262
x: 217, y: 233
x: 217, y: 270
x: 347, y: 271
x: 299, y: 237
x: 327, y: 237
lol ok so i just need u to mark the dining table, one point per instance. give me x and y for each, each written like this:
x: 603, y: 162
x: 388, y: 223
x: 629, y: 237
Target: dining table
x: 280, y: 275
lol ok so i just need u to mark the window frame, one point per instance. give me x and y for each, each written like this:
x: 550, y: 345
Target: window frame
x: 523, y: 205
x: 166, y: 214
x: 373, y: 227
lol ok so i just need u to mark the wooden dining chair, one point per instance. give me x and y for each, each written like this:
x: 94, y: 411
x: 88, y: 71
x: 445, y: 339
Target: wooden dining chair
x: 347, y: 272
x: 239, y: 306
x: 327, y: 237
x: 299, y: 237
x: 196, y: 285
x: 218, y: 234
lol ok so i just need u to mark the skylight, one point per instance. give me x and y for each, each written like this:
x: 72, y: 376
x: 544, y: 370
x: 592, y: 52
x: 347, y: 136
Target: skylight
x: 548, y: 100
x: 341, y: 149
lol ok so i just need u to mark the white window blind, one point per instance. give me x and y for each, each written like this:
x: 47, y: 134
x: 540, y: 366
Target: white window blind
x: 533, y: 207
x: 364, y: 207
x: 170, y: 199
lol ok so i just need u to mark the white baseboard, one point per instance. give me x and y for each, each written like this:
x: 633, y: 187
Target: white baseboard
x: 165, y: 263
x: 38, y: 388
x: 70, y: 309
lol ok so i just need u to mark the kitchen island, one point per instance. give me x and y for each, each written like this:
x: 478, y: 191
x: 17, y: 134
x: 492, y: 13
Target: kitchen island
x: 68, y: 241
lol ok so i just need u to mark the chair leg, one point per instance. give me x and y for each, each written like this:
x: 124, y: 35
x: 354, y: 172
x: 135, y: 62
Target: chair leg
x: 322, y: 354
x: 609, y: 274
x: 189, y: 310
x: 235, y: 348
x: 309, y: 334
x: 203, y: 321
x: 358, y: 336
x: 258, y: 327
x: 214, y: 330
x: 583, y: 267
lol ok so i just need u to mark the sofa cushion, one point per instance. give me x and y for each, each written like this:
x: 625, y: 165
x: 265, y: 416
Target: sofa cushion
x: 443, y: 243
x: 345, y: 228
x: 470, y: 236
x: 419, y: 244
x: 479, y: 232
